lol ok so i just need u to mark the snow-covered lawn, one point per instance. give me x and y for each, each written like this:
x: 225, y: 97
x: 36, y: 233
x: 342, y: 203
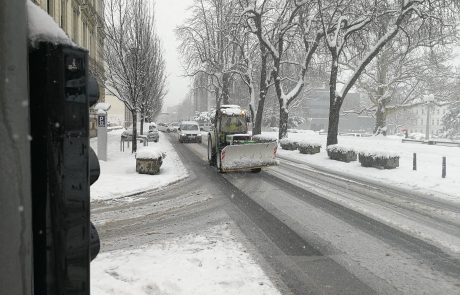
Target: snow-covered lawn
x: 211, y: 262
x: 427, y: 178
x: 118, y: 174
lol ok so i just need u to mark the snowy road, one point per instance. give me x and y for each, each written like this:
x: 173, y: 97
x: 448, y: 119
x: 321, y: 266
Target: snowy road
x: 310, y: 232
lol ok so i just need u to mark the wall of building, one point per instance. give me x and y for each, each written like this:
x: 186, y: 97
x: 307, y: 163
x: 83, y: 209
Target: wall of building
x: 419, y: 122
x: 82, y: 20
x: 116, y: 114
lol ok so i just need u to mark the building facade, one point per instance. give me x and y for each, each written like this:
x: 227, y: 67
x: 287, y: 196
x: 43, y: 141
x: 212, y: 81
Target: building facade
x: 425, y: 116
x: 83, y: 22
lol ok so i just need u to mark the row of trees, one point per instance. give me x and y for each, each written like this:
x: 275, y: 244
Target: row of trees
x: 393, y: 50
x: 135, y: 66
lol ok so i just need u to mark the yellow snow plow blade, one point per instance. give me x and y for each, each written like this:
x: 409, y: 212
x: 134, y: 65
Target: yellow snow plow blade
x: 248, y: 156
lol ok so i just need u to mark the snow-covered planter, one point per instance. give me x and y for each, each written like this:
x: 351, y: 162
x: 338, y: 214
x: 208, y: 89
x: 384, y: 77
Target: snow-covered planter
x: 148, y: 161
x: 288, y: 144
x: 379, y: 159
x: 341, y: 153
x: 310, y: 148
x: 262, y: 138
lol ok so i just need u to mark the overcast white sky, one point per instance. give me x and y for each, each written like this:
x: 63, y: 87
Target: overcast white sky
x: 169, y: 14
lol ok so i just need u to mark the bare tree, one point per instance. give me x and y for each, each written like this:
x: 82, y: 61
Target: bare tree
x: 153, y: 89
x: 208, y: 44
x: 278, y: 25
x: 408, y: 67
x: 131, y: 53
x: 345, y: 25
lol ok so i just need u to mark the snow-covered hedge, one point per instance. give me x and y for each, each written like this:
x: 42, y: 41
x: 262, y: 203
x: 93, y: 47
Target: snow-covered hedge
x: 308, y: 147
x: 288, y: 144
x: 341, y: 153
x: 379, y: 159
x: 149, y: 161
x: 264, y: 138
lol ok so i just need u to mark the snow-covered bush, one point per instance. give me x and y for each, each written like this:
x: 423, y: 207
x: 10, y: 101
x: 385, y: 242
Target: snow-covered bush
x: 308, y: 147
x: 295, y: 121
x: 379, y: 159
x: 264, y: 138
x: 149, y: 161
x: 341, y: 153
x: 288, y: 144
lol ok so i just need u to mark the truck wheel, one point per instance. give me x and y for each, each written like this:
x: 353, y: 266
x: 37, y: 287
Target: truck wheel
x: 219, y: 165
x: 211, y: 153
x: 256, y: 170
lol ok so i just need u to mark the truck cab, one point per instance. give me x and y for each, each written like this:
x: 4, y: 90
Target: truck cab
x: 230, y: 146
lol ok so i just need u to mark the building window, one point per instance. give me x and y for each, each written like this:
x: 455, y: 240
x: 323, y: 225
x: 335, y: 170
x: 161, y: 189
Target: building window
x: 64, y: 15
x: 50, y: 7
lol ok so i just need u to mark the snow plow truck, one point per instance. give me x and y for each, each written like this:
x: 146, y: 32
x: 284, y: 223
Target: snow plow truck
x: 232, y: 148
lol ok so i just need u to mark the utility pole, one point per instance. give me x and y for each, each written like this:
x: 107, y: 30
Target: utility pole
x: 15, y: 176
x: 429, y: 103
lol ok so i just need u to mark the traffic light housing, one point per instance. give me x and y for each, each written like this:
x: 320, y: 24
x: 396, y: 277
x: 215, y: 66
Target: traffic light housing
x: 64, y: 240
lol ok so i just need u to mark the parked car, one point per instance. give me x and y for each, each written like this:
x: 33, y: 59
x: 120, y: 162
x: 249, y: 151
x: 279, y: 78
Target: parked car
x: 153, y: 134
x: 127, y: 134
x: 162, y: 127
x: 189, y: 131
x: 206, y: 126
x: 173, y: 127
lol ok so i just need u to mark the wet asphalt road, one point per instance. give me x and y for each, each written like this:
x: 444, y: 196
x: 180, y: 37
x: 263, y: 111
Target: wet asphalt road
x: 306, y: 244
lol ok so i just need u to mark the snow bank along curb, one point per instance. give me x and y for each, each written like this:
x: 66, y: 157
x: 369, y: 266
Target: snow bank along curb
x: 426, y: 180
x: 119, y: 178
x: 206, y: 263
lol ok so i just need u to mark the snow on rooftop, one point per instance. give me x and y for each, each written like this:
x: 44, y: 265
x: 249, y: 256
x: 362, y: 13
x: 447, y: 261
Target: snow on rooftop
x: 42, y: 27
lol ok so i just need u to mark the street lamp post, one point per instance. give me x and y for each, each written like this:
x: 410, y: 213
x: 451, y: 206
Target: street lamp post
x: 429, y: 102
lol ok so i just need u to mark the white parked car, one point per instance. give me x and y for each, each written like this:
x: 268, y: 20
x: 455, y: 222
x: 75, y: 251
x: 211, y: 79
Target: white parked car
x: 172, y: 127
x: 162, y: 127
x: 189, y: 131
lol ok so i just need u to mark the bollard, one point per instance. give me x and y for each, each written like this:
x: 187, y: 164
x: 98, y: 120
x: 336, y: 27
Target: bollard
x: 443, y: 167
x: 414, y: 162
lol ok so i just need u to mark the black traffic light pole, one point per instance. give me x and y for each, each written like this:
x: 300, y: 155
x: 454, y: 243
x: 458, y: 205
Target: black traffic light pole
x: 15, y: 175
x: 61, y: 93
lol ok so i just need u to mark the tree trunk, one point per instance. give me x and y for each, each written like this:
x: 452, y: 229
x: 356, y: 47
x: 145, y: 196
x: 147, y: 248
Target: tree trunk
x: 380, y: 120
x: 225, y: 88
x: 263, y: 89
x: 333, y: 127
x: 134, y: 143
x: 142, y: 125
x: 283, y: 126
x: 259, y: 116
x: 381, y: 114
x: 335, y: 102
